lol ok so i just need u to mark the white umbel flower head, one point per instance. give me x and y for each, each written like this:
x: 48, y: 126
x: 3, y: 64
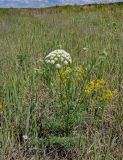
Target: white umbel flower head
x: 59, y: 58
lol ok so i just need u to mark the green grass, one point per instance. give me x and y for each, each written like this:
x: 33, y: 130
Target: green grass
x: 59, y: 119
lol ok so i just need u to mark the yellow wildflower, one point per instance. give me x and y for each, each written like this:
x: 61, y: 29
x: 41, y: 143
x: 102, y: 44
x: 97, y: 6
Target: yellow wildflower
x: 108, y: 95
x: 65, y: 73
x: 68, y: 70
x: 91, y: 84
x: 89, y: 88
x: 99, y: 83
x: 87, y: 91
x: 94, y: 85
x: 62, y: 73
x: 102, y: 81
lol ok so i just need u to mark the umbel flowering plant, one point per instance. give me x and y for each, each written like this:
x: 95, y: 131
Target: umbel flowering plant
x: 74, y: 87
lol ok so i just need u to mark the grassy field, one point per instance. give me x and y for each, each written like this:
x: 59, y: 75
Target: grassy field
x: 73, y: 113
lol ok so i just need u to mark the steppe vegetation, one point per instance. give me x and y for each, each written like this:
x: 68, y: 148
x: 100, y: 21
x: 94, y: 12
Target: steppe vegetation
x: 54, y: 112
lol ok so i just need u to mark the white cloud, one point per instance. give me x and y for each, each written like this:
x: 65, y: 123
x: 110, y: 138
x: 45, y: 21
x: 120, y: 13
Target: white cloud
x: 45, y: 3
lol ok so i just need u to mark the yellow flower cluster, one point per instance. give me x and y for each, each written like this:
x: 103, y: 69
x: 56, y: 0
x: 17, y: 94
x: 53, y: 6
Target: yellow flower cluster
x: 65, y: 73
x: 94, y: 85
x: 68, y: 70
x: 61, y: 73
x: 90, y: 87
x: 108, y: 95
x: 99, y: 84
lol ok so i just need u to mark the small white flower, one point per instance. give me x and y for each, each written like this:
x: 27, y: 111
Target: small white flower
x: 52, y: 62
x: 62, y: 59
x: 58, y: 66
x: 51, y: 57
x: 66, y: 62
x: 64, y: 55
x: 25, y: 137
x: 56, y: 59
x: 48, y: 61
x: 58, y: 55
x: 68, y: 58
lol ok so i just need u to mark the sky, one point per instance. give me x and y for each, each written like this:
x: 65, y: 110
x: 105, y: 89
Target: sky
x: 47, y: 3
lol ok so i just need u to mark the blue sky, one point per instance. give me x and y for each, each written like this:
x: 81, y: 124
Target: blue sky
x: 47, y: 3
